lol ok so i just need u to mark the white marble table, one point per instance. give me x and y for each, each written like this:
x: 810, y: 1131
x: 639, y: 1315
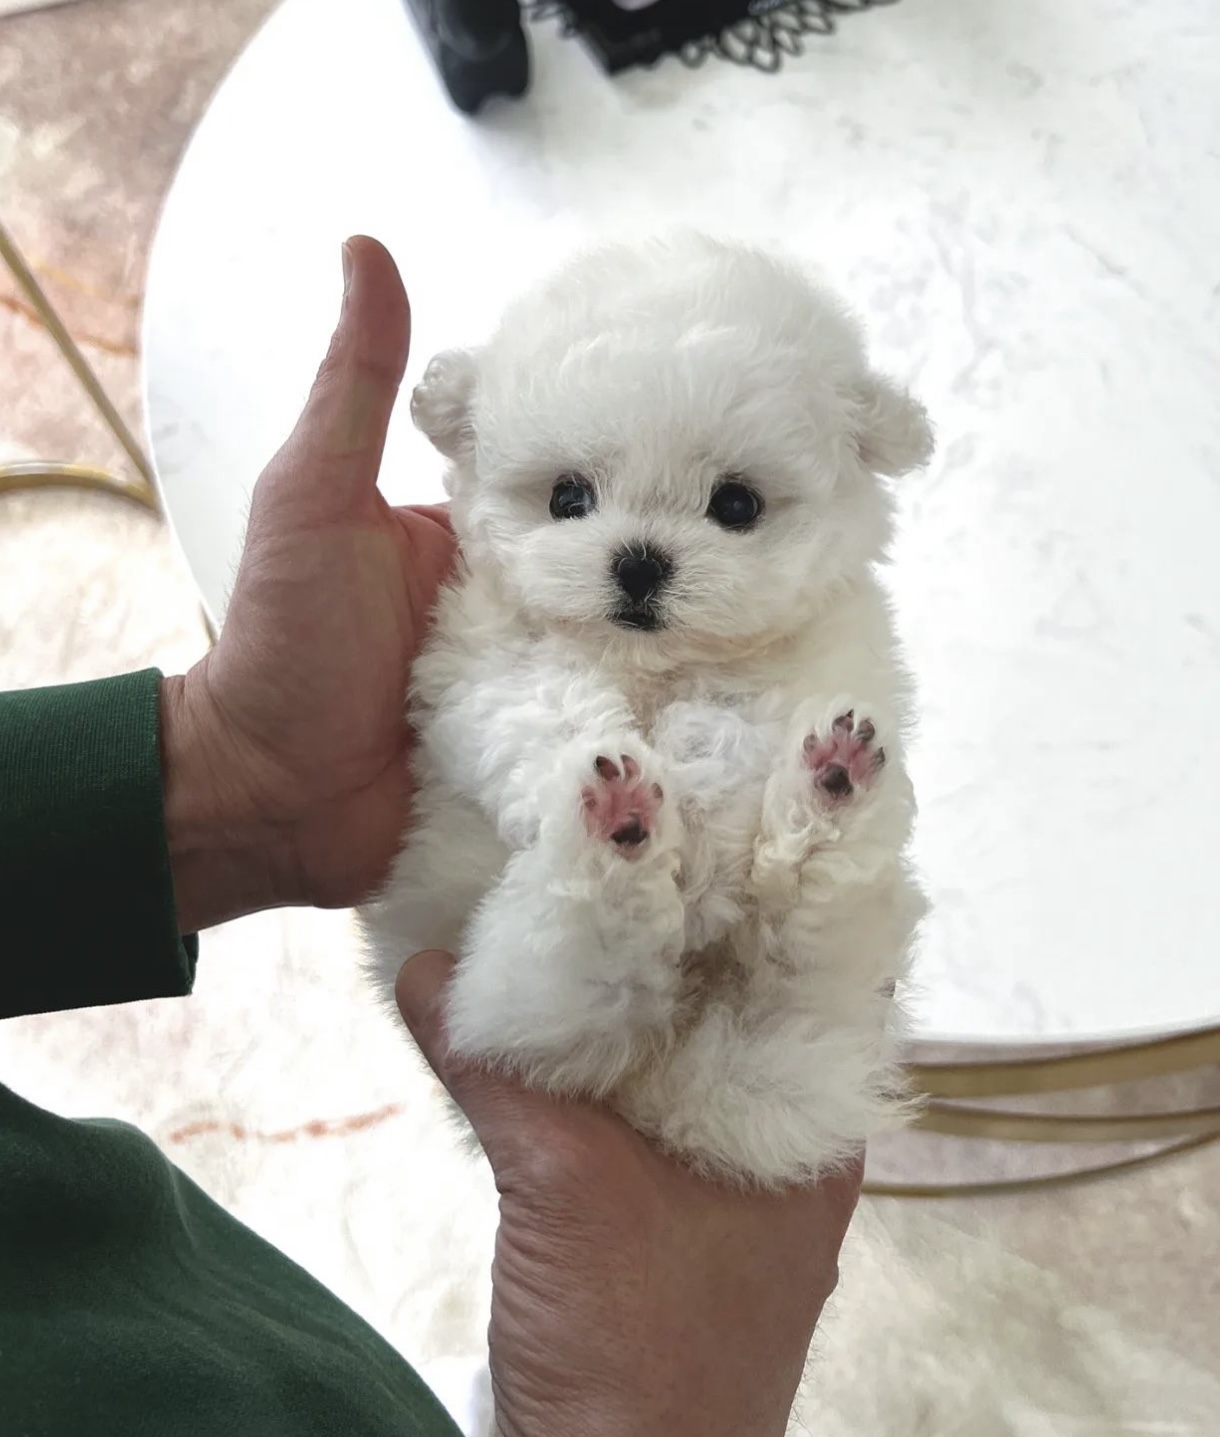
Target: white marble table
x: 1025, y: 203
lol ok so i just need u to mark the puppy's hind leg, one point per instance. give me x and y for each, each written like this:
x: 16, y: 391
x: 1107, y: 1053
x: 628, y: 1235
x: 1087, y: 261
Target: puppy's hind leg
x: 570, y: 968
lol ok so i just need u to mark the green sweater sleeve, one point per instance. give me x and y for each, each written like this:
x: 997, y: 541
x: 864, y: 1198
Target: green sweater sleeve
x: 86, y: 894
x: 131, y: 1304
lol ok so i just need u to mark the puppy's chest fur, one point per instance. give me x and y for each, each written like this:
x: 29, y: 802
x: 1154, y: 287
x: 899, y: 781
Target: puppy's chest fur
x: 719, y: 735
x: 724, y: 730
x: 651, y: 696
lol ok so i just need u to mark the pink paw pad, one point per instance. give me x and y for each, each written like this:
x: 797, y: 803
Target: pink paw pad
x: 621, y: 807
x: 845, y: 759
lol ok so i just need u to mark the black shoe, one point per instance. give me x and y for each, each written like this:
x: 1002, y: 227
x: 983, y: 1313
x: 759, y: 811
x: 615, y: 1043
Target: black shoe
x: 478, y: 46
x: 477, y: 29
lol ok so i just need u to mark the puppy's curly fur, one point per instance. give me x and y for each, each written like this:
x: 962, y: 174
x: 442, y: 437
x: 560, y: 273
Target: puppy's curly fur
x: 662, y: 805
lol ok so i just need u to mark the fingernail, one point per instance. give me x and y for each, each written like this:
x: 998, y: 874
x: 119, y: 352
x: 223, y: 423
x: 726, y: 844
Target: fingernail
x: 347, y: 268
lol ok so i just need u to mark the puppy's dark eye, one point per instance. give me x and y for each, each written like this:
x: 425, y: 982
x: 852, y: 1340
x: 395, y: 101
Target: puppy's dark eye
x: 735, y: 505
x: 572, y: 497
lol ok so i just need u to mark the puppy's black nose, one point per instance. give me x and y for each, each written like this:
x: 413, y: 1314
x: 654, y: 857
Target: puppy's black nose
x: 640, y: 573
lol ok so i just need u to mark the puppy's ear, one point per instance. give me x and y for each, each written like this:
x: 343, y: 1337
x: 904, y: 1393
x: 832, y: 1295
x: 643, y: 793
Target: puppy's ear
x: 892, y: 432
x: 441, y: 403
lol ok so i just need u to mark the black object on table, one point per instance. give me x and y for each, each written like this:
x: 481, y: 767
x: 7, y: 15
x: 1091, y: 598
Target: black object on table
x: 480, y: 50
x: 757, y: 33
x: 477, y: 46
x: 621, y: 38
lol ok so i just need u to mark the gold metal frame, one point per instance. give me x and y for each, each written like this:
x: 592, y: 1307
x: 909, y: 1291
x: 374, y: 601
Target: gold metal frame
x: 944, y: 1086
x: 1098, y: 1065
x: 25, y: 476
x: 948, y: 1087
x: 34, y: 475
x: 1004, y: 1187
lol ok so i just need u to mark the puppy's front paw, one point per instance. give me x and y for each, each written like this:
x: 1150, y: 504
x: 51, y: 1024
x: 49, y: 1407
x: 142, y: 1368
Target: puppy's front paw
x: 813, y: 803
x: 843, y: 760
x: 621, y: 806
x: 571, y: 964
x: 607, y: 803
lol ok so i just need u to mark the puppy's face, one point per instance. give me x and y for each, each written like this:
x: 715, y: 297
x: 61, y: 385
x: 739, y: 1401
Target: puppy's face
x: 675, y: 447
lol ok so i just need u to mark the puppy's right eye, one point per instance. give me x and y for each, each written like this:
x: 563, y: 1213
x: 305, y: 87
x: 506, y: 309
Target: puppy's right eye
x: 572, y: 497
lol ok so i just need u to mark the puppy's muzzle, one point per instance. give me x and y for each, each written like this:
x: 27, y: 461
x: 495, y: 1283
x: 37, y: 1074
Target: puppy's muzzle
x: 641, y: 574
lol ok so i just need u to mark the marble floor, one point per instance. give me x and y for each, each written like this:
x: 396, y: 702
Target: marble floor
x: 1092, y: 1310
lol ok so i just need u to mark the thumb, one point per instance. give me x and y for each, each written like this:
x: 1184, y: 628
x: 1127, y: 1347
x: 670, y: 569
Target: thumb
x: 334, y: 454
x: 420, y: 995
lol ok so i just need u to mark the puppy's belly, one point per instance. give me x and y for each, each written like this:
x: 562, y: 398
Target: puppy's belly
x: 718, y: 759
x: 451, y: 861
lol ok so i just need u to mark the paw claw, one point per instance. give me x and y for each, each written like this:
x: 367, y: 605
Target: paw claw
x: 606, y: 768
x: 845, y: 760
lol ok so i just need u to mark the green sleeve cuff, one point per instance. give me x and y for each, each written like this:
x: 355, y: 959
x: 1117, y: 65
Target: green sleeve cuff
x: 86, y: 894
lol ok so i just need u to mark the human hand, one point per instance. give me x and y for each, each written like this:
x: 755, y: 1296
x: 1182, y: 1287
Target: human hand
x: 631, y: 1298
x: 284, y: 750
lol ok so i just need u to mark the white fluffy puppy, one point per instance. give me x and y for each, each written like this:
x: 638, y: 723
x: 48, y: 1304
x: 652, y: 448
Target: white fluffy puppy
x: 661, y: 802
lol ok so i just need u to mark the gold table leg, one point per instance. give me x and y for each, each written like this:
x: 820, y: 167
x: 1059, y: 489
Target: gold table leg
x: 13, y: 477
x: 947, y: 1088
x: 35, y: 475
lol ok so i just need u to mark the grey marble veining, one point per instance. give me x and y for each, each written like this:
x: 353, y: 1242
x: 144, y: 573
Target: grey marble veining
x: 1024, y: 202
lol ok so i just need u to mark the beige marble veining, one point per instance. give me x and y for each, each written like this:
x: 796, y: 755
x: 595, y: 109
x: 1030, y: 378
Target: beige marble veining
x: 277, y: 1086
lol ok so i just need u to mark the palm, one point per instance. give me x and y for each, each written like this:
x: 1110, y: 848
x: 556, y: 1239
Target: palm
x: 330, y: 617
x: 355, y: 756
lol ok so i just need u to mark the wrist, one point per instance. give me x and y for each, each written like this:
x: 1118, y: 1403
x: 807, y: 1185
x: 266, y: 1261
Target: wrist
x: 221, y: 855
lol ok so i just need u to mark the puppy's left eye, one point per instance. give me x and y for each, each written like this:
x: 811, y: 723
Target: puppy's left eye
x: 572, y: 497
x: 735, y: 505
